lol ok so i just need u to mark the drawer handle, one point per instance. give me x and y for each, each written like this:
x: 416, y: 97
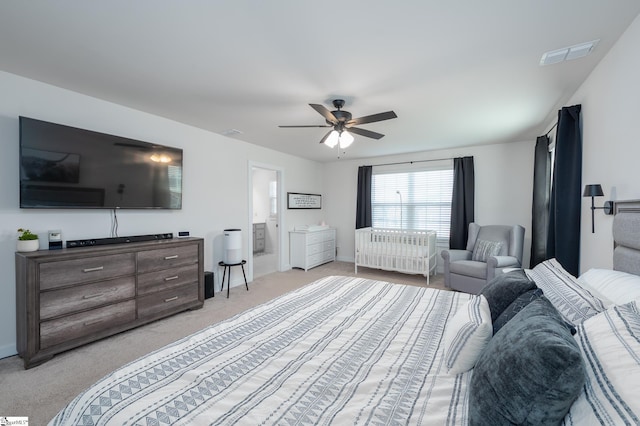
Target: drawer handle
x: 175, y: 256
x: 95, y: 321
x: 91, y: 296
x: 171, y: 299
x: 175, y: 277
x: 97, y: 268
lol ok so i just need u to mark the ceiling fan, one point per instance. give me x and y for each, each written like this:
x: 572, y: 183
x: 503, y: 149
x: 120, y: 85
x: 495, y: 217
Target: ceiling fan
x: 341, y: 121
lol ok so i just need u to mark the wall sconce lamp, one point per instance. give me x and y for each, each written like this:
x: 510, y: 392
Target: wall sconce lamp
x: 596, y: 191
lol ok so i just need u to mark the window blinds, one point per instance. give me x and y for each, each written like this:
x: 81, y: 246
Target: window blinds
x: 413, y: 199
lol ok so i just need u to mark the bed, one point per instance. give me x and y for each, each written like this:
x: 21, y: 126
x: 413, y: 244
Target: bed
x: 356, y: 350
x: 348, y: 350
x: 408, y: 251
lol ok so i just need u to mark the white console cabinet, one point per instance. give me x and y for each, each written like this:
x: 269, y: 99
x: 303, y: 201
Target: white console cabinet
x: 310, y: 249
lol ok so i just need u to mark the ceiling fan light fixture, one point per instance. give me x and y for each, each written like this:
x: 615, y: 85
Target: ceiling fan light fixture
x: 332, y: 139
x: 345, y: 139
x: 341, y: 120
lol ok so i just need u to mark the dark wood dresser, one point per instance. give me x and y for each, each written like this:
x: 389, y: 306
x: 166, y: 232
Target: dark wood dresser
x: 70, y: 297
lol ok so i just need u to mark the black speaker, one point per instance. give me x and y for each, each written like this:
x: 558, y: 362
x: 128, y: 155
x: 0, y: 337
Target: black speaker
x: 208, y: 285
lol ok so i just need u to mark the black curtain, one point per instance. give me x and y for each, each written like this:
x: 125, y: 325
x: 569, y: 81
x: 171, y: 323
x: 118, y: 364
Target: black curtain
x: 363, y: 208
x: 462, y: 202
x: 541, y: 195
x: 563, y: 237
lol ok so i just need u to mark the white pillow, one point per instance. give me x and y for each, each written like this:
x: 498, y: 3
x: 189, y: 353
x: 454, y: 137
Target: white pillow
x: 467, y: 334
x: 610, y: 345
x: 619, y: 287
x: 571, y: 299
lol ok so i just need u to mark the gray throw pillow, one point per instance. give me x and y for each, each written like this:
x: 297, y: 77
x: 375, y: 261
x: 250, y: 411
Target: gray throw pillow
x: 504, y: 289
x: 484, y: 249
x: 530, y: 372
x: 516, y: 306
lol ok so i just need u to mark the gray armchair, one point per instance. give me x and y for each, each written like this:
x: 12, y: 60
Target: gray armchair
x: 490, y: 249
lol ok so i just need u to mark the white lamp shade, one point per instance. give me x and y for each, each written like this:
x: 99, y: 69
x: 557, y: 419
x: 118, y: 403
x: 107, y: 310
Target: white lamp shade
x: 346, y: 139
x: 332, y: 140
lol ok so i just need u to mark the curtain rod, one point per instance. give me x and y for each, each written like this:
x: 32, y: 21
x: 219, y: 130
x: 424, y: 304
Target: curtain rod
x: 409, y: 162
x: 552, y: 127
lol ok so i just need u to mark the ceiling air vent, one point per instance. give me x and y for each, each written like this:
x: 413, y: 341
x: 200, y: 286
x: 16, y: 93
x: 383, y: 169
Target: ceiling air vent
x: 231, y: 132
x: 568, y: 53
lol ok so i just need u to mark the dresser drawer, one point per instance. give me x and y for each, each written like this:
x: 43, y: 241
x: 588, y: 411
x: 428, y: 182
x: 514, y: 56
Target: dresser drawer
x: 88, y: 269
x: 74, y: 326
x: 315, y: 259
x: 159, y: 303
x: 152, y: 282
x: 315, y: 237
x: 314, y: 248
x: 68, y: 300
x: 154, y: 260
x: 330, y: 235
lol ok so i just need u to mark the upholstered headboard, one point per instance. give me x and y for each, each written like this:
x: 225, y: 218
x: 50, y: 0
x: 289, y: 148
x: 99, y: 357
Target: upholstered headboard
x: 626, y: 236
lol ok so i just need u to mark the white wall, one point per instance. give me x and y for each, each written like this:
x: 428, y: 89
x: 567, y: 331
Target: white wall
x: 503, y: 183
x: 215, y: 194
x: 611, y: 141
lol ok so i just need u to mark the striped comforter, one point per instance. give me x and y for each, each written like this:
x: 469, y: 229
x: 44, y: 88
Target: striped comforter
x: 337, y: 351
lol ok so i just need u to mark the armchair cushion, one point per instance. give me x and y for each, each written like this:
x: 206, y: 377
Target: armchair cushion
x: 485, y: 249
x: 469, y: 268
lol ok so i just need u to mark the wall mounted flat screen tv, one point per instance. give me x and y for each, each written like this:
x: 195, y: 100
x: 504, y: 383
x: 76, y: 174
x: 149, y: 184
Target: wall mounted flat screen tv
x: 64, y: 167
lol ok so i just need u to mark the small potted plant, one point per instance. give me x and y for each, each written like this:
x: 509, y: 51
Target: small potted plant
x: 27, y: 241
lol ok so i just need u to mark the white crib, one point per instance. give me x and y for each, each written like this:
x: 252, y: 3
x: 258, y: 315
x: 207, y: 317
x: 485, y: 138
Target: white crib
x: 409, y: 251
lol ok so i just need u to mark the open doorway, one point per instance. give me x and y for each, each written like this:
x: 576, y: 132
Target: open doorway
x: 265, y: 222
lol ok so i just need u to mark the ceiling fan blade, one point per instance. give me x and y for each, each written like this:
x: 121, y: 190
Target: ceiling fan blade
x: 372, y: 118
x: 325, y: 136
x: 328, y: 115
x: 308, y: 125
x: 364, y: 132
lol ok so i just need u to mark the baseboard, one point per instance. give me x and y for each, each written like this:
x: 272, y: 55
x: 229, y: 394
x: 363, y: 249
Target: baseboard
x: 7, y: 351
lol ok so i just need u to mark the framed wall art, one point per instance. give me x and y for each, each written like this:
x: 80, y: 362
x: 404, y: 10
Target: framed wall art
x: 296, y: 200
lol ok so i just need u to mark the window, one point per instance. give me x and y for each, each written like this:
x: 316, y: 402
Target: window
x: 413, y: 199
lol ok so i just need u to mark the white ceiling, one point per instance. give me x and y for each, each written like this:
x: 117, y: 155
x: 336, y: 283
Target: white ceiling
x: 457, y: 72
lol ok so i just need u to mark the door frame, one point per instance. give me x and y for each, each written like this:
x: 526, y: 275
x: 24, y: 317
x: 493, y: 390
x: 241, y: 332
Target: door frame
x: 280, y: 221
